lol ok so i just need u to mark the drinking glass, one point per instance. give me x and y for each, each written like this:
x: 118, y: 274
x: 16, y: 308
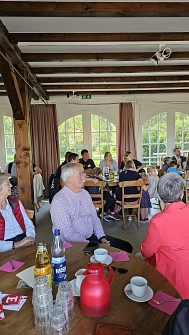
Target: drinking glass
x: 58, y: 321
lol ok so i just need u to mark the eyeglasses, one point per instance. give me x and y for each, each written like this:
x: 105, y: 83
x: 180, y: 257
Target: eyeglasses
x: 120, y: 270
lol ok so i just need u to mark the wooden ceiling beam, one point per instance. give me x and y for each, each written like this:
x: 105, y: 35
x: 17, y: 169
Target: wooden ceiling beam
x: 120, y: 92
x: 110, y: 69
x: 16, y: 59
x: 114, y: 56
x: 114, y: 86
x: 93, y: 9
x: 98, y: 37
x: 110, y: 79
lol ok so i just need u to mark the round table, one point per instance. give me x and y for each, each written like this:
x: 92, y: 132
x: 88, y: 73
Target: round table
x: 141, y: 317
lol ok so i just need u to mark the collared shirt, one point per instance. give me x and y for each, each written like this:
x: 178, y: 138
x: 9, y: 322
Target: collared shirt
x: 12, y: 227
x: 75, y: 215
x: 113, y: 165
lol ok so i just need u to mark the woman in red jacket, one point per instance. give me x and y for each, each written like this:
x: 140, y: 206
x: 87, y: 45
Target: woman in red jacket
x: 166, y: 245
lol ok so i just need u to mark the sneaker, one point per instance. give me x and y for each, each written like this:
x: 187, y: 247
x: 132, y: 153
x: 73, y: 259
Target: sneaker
x: 106, y: 218
x: 114, y: 216
x: 129, y: 218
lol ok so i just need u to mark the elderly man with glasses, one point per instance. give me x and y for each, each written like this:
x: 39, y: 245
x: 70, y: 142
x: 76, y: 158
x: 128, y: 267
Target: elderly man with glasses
x: 16, y: 229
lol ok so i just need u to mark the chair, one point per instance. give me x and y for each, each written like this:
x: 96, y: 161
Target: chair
x: 30, y: 213
x: 186, y: 185
x: 97, y: 203
x: 135, y: 204
x: 161, y: 172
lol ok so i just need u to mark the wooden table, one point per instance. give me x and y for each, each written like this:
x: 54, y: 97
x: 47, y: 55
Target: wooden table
x: 114, y: 182
x: 144, y: 319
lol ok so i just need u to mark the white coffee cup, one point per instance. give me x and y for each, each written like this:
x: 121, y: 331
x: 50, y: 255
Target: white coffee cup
x: 79, y: 277
x: 100, y: 255
x: 139, y: 286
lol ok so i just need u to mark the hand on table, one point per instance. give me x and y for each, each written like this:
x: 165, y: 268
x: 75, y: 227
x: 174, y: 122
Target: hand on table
x: 29, y: 240
x: 105, y: 241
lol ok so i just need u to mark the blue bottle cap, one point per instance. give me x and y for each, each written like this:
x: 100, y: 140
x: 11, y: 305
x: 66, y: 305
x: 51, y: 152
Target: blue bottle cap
x: 57, y: 232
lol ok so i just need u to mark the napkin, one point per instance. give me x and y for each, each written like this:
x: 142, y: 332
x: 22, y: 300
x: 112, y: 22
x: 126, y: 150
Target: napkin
x: 8, y: 267
x: 167, y: 307
x: 27, y: 275
x: 123, y: 257
x: 67, y: 245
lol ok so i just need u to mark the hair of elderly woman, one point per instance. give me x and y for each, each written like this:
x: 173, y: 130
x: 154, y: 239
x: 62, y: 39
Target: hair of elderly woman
x: 67, y: 170
x: 3, y: 177
x: 129, y: 165
x: 170, y: 187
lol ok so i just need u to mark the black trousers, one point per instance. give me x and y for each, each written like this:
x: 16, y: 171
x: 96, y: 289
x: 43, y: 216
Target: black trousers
x: 109, y: 205
x: 115, y: 242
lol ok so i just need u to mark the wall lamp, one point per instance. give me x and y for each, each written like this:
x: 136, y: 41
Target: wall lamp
x: 159, y: 56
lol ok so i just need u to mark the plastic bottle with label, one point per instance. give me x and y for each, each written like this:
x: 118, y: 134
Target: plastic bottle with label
x: 43, y: 266
x: 58, y: 261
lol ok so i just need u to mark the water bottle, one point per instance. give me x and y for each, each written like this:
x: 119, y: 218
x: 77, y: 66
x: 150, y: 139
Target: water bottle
x: 58, y: 259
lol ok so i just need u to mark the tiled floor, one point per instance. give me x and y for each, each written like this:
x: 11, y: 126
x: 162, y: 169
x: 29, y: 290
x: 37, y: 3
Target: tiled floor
x: 115, y: 228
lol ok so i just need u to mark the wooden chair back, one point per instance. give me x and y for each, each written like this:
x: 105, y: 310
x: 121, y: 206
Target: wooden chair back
x: 161, y: 172
x: 97, y: 203
x: 124, y: 205
x: 186, y: 185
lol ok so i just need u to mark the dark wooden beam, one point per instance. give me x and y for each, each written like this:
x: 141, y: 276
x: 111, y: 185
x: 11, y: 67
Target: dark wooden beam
x: 114, y: 86
x: 93, y: 9
x: 98, y: 37
x: 11, y: 85
x: 120, y: 92
x: 93, y: 79
x: 114, y: 56
x: 111, y: 69
x: 16, y: 58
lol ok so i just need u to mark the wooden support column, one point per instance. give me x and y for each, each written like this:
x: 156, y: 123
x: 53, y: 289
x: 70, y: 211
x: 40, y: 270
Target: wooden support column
x: 20, y: 97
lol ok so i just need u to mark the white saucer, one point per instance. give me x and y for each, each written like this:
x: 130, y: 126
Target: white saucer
x: 75, y: 289
x: 149, y: 294
x: 108, y: 260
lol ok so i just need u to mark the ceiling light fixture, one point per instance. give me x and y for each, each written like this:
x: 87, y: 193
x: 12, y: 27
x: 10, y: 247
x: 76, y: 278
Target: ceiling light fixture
x: 159, y: 56
x: 73, y: 96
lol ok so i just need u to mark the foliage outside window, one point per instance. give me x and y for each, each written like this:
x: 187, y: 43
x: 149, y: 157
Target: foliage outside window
x: 103, y: 134
x: 71, y: 136
x: 154, y: 139
x: 9, y: 138
x: 182, y: 131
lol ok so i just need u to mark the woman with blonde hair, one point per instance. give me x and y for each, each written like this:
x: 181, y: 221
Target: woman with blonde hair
x: 138, y: 166
x: 109, y: 162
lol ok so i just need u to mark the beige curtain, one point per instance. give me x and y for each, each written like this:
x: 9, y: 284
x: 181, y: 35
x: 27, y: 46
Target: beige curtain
x: 127, y: 140
x: 44, y: 140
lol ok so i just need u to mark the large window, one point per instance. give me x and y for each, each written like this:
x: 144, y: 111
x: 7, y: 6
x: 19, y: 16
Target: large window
x: 9, y: 138
x: 71, y: 136
x: 103, y: 134
x: 182, y: 131
x: 99, y: 136
x: 154, y: 139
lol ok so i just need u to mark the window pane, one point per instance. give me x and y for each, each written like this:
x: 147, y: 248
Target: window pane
x: 10, y: 155
x: 78, y: 123
x: 94, y: 123
x: 79, y: 142
x: 9, y: 141
x: 154, y: 136
x: 8, y: 125
x: 145, y: 137
x: 61, y: 128
x: 62, y: 140
x: 103, y: 124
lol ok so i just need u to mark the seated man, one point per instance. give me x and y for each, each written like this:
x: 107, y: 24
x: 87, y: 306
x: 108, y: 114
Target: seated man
x: 58, y: 172
x: 16, y: 229
x: 88, y: 163
x: 178, y: 158
x: 73, y: 212
x: 73, y: 158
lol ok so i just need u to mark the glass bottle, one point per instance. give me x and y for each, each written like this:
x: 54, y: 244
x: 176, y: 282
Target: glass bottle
x: 42, y: 263
x: 58, y: 261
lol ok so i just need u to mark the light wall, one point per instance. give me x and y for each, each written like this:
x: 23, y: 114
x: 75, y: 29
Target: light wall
x: 145, y: 106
